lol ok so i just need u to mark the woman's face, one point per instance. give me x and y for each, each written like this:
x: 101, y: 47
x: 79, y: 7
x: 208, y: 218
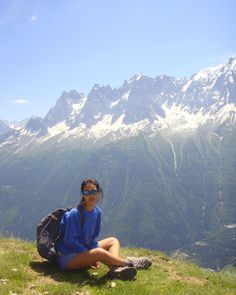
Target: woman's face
x: 90, y: 194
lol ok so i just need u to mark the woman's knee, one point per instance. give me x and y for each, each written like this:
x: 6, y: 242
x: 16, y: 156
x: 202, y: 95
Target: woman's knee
x: 98, y: 252
x: 109, y: 242
x: 114, y: 241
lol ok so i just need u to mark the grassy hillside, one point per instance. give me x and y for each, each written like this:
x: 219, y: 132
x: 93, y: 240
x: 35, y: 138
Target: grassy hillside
x: 22, y: 271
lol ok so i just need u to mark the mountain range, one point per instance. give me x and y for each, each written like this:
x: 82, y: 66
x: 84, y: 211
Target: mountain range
x: 164, y: 150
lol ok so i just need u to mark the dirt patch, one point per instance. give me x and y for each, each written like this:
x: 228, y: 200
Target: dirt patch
x: 39, y: 280
x: 174, y: 275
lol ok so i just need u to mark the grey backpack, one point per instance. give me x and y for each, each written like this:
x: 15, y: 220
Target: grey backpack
x: 48, y: 232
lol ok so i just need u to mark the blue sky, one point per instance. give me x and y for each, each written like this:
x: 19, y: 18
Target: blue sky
x: 51, y: 46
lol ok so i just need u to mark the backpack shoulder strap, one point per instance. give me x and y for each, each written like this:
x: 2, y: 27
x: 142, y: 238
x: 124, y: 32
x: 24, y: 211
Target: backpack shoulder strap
x: 80, y: 207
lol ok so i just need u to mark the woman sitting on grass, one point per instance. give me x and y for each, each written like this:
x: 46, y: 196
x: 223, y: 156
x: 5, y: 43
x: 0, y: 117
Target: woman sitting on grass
x: 78, y: 247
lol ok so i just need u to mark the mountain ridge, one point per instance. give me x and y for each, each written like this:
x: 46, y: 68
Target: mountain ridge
x: 142, y: 104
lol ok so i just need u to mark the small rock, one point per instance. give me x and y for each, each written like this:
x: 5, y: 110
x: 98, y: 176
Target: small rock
x: 32, y: 286
x: 14, y: 269
x: 113, y: 285
x: 3, y: 281
x: 95, y: 274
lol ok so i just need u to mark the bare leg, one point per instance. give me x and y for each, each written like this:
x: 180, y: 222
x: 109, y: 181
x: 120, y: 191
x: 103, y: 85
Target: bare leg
x: 90, y: 257
x: 112, y: 245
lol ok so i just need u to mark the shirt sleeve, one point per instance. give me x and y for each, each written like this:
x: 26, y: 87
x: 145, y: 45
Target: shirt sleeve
x: 72, y: 229
x: 94, y: 244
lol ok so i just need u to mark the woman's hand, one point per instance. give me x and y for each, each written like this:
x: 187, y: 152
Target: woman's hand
x: 96, y: 264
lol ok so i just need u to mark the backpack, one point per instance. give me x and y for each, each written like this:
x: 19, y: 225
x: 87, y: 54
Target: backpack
x: 48, y: 232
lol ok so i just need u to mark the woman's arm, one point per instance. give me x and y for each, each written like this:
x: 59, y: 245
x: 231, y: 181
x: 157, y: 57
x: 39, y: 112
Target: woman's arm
x: 94, y: 244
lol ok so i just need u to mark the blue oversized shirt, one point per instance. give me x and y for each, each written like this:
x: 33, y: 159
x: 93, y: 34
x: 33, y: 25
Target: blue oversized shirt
x: 77, y: 240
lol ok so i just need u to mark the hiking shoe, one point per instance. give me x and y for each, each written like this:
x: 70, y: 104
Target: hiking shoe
x: 122, y: 272
x: 140, y: 263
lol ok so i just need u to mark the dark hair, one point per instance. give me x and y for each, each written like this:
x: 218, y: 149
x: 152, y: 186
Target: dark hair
x: 93, y: 181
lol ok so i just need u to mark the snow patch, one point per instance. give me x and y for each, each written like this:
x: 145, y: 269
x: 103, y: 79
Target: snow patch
x: 139, y: 77
x: 105, y: 126
x: 174, y: 157
x: 186, y: 86
x: 114, y: 103
x: 76, y: 132
x: 98, y: 129
x: 231, y: 79
x: 179, y: 118
x: 55, y: 130
x: 216, y: 95
x: 18, y: 125
x: 58, y: 128
x: 97, y: 116
x: 208, y: 73
x: 230, y: 226
x: 200, y: 243
x: 126, y: 95
x: 77, y: 107
x: 135, y: 78
x: 225, y: 114
x: 217, y: 135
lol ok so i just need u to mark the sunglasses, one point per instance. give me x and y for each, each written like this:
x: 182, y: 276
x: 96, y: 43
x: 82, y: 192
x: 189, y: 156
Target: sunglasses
x: 87, y: 192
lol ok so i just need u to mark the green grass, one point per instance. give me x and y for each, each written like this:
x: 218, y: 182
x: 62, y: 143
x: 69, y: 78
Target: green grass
x: 23, y: 271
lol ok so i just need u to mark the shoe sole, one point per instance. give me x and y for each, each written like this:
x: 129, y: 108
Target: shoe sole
x: 145, y: 266
x: 125, y: 274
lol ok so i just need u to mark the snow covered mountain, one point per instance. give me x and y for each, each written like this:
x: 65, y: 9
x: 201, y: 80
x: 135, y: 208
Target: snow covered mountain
x: 141, y: 104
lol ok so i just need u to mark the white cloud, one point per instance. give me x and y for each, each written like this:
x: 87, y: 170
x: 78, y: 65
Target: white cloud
x: 33, y: 18
x: 20, y: 101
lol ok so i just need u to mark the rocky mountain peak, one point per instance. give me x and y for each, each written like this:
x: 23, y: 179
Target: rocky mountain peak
x: 70, y: 97
x: 35, y: 124
x: 4, y: 128
x: 142, y: 104
x: 63, y: 108
x: 232, y: 63
x: 100, y: 92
